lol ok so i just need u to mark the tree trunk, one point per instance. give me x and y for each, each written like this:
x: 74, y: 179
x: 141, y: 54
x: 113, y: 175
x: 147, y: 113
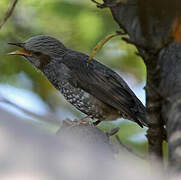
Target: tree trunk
x: 149, y: 25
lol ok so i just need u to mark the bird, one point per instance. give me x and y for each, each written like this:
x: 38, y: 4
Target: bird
x: 91, y: 87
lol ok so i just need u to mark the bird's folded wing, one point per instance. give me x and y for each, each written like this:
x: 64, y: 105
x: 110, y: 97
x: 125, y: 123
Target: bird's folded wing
x: 103, y: 83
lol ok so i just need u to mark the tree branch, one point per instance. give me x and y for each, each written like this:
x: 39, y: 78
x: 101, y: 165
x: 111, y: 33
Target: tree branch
x: 127, y: 16
x: 170, y: 86
x: 8, y: 13
x: 152, y: 33
x: 49, y: 117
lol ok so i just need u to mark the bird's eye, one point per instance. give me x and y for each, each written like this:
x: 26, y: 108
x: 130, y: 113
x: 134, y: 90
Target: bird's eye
x: 38, y: 53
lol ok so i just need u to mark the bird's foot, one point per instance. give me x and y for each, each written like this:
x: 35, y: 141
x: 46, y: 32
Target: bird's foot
x: 85, y: 118
x: 85, y: 121
x: 74, y: 123
x: 82, y: 121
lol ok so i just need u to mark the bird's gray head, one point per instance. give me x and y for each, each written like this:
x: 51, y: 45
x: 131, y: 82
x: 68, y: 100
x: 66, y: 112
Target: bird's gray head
x: 40, y: 50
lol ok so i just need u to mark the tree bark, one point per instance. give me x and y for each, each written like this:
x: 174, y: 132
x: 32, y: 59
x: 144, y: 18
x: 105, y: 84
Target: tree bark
x: 151, y: 32
x: 170, y: 86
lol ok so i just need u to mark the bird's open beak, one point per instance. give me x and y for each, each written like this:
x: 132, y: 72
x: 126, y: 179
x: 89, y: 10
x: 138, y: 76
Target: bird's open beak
x: 19, y: 52
x: 17, y: 44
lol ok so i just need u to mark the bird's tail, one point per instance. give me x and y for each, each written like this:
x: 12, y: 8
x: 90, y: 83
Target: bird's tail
x: 141, y: 118
x: 140, y: 115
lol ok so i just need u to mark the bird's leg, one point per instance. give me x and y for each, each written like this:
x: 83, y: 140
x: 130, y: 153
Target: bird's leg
x: 86, y: 117
x: 84, y: 120
x: 69, y: 123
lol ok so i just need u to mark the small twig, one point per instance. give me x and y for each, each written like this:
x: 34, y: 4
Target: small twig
x: 107, y: 5
x: 100, y: 44
x: 8, y: 13
x: 112, y: 4
x: 128, y: 149
x: 46, y: 118
x: 98, y: 4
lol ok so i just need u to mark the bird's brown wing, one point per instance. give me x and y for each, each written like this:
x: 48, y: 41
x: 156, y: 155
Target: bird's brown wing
x: 104, y: 84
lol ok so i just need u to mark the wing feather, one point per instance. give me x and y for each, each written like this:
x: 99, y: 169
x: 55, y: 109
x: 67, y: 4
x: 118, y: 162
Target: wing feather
x: 103, y: 83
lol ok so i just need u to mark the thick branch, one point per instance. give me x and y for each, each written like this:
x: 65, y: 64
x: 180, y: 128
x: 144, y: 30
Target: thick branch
x: 151, y: 27
x: 170, y: 67
x: 153, y: 104
x: 127, y: 16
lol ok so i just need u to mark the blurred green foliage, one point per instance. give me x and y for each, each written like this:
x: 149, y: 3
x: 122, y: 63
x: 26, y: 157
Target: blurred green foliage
x: 79, y: 25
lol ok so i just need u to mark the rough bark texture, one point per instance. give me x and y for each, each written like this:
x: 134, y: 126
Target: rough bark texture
x: 162, y: 57
x: 170, y: 86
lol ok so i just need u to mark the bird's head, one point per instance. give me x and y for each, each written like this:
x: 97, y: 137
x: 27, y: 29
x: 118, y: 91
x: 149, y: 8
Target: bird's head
x: 40, y: 50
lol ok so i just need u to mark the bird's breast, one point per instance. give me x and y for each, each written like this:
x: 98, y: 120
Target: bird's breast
x: 87, y: 103
x: 60, y: 76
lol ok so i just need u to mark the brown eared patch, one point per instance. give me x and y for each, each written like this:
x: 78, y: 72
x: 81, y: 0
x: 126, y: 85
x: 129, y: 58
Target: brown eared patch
x: 44, y: 60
